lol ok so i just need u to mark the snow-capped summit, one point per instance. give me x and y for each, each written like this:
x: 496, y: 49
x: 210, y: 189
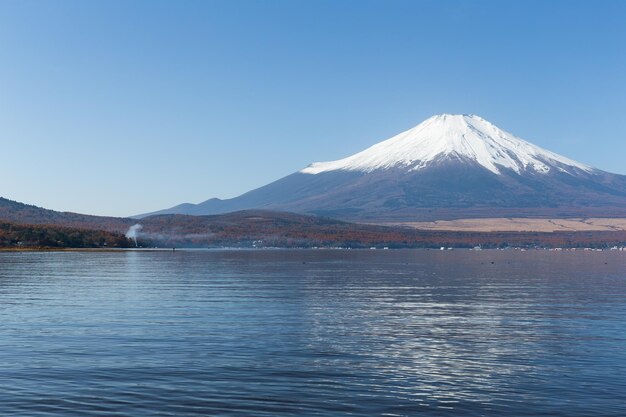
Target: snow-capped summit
x: 449, y: 166
x: 459, y: 136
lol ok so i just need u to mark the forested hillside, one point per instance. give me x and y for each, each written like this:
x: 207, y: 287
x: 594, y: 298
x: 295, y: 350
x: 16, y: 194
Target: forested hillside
x: 40, y: 236
x: 20, y: 213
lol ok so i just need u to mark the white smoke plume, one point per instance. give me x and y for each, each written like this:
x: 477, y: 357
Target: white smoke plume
x: 133, y: 232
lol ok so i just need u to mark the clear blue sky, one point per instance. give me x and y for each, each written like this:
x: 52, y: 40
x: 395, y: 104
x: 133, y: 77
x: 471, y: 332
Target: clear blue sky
x: 122, y: 107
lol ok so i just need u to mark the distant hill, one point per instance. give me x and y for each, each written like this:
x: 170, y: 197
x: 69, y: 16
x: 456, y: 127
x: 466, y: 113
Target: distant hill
x: 257, y: 228
x: 447, y: 167
x: 15, y: 212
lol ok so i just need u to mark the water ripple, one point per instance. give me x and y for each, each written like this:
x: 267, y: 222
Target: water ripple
x: 265, y: 333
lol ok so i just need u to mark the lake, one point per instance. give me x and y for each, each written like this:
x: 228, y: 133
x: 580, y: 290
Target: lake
x: 313, y: 332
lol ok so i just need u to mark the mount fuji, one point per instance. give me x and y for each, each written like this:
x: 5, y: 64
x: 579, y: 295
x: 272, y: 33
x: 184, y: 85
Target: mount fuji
x: 447, y: 167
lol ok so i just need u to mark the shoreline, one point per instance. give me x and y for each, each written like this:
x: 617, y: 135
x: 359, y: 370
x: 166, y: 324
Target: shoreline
x: 329, y: 248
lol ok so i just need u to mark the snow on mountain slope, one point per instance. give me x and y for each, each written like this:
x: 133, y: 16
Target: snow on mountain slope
x: 448, y: 167
x: 465, y: 137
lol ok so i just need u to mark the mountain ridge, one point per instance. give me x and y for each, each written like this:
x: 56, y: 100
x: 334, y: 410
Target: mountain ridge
x: 447, y: 167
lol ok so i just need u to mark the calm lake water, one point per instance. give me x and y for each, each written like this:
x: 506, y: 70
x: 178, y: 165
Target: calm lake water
x: 266, y: 333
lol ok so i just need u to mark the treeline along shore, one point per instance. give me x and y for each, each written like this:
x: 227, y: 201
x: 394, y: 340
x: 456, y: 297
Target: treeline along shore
x: 255, y: 228
x: 26, y: 226
x: 17, y: 236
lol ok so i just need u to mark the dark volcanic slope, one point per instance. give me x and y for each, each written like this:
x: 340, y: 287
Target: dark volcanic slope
x: 450, y: 166
x: 444, y: 191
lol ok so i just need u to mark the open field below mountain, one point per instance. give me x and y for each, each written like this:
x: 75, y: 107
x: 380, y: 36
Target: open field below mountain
x: 520, y: 225
x: 30, y: 226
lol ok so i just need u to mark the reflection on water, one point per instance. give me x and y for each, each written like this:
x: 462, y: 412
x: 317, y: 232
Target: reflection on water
x: 195, y: 333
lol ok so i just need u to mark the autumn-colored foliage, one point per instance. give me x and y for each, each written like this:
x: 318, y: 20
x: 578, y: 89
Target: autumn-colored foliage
x: 20, y: 213
x: 258, y: 228
x: 39, y: 236
x: 275, y: 229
